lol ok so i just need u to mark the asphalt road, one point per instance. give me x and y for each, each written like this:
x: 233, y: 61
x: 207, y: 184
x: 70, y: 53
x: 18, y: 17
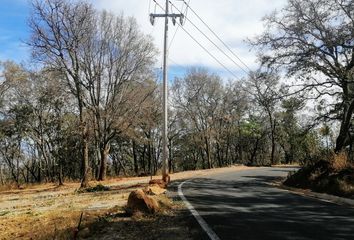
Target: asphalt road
x: 241, y: 205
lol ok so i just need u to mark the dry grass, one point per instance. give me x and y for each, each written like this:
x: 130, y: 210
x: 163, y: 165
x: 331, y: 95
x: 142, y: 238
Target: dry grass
x: 47, y: 211
x: 169, y: 223
x: 42, y: 225
x: 334, y: 176
x: 339, y: 161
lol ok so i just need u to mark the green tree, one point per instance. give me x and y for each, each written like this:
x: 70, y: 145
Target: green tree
x: 265, y: 91
x: 291, y: 134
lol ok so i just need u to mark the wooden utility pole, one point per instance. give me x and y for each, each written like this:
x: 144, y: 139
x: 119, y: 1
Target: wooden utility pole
x: 166, y: 15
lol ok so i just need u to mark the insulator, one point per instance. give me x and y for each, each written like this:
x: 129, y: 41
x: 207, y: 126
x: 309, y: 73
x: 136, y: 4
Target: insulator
x: 152, y: 19
x: 181, y: 19
x: 174, y: 21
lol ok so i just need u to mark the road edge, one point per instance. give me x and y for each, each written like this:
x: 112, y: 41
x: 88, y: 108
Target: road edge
x: 212, y: 235
x: 324, y: 197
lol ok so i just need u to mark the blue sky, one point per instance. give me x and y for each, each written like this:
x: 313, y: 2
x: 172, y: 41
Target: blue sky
x: 14, y: 33
x: 14, y: 30
x: 233, y: 20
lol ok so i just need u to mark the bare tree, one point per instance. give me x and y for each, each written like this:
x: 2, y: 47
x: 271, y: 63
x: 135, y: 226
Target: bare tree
x: 60, y: 34
x: 313, y: 40
x: 199, y: 95
x: 117, y: 63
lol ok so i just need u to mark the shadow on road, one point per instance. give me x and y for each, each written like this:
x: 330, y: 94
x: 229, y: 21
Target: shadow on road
x: 248, y: 208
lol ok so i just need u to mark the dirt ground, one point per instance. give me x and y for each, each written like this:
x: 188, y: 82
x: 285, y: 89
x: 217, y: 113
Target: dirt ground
x: 50, y: 212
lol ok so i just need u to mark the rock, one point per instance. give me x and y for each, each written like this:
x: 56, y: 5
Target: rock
x: 138, y: 201
x: 160, y: 182
x: 155, y: 189
x: 166, y: 179
x: 84, y: 233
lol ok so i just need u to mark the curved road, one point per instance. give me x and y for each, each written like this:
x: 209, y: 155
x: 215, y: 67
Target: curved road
x: 242, y: 205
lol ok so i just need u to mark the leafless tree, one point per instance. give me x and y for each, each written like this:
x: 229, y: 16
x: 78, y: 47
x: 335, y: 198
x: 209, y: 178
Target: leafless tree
x: 199, y: 95
x: 60, y: 32
x: 105, y: 60
x: 117, y: 63
x: 313, y: 40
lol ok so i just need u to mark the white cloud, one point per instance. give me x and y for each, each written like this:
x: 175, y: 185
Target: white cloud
x: 232, y: 20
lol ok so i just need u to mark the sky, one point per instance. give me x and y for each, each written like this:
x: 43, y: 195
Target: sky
x: 232, y: 20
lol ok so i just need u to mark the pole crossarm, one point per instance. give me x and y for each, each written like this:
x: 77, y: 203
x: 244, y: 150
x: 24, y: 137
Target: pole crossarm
x: 173, y: 15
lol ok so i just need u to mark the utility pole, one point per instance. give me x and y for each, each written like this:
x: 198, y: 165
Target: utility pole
x: 166, y: 15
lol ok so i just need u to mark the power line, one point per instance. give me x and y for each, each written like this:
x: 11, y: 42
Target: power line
x: 174, y: 35
x: 206, y: 50
x: 232, y: 52
x: 149, y: 7
x: 211, y: 55
x: 221, y: 50
x: 175, y: 63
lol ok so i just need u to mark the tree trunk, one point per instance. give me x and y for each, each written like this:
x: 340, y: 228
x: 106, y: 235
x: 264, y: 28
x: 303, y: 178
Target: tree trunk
x: 273, y: 149
x: 85, y: 156
x: 254, y: 152
x: 142, y: 162
x: 207, y: 151
x: 343, y: 137
x: 227, y: 159
x: 150, y: 158
x: 60, y: 174
x: 18, y: 169
x: 218, y: 154
x: 39, y: 176
x: 240, y: 147
x: 135, y: 158
x: 122, y: 166
x: 203, y: 158
x: 272, y: 137
x: 1, y: 177
x: 170, y: 167
x: 195, y: 160
x: 240, y: 153
x: 103, y: 163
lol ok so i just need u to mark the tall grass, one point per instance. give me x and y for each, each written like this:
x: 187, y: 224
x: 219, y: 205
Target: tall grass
x: 339, y: 161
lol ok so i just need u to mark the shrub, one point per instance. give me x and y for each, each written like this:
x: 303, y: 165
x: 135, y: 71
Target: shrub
x: 97, y: 188
x: 339, y: 161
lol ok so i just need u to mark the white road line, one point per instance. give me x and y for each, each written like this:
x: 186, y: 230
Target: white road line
x: 212, y: 235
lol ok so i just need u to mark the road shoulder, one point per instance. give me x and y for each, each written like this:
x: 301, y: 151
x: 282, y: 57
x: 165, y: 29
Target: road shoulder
x: 319, y: 196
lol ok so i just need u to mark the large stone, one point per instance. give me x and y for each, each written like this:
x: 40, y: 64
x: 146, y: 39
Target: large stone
x: 84, y: 233
x: 138, y: 201
x: 155, y: 189
x: 160, y: 182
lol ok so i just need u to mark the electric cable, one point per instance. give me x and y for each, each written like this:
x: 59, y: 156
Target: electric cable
x: 232, y: 52
x: 174, y: 35
x: 210, y: 40
x: 204, y: 48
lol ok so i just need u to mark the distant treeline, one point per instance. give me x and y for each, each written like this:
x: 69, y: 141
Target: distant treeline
x: 91, y: 108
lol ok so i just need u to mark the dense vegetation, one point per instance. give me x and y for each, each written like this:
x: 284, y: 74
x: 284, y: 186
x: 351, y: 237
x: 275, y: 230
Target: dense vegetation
x: 93, y: 106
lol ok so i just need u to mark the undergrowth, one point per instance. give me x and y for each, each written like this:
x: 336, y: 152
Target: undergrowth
x: 97, y: 188
x: 334, y: 175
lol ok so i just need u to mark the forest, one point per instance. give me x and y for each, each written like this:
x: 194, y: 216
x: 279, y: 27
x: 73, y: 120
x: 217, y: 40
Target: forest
x: 89, y: 107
